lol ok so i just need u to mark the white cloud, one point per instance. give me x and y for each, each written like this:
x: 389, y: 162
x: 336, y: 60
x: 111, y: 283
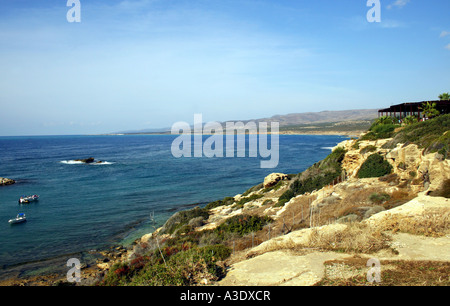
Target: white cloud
x: 398, y: 3
x: 447, y: 47
x: 444, y: 33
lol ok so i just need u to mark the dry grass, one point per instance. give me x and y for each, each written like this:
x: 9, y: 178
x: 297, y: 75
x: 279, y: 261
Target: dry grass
x: 355, y: 238
x: 431, y: 223
x: 393, y: 273
x: 276, y: 245
x: 398, y: 198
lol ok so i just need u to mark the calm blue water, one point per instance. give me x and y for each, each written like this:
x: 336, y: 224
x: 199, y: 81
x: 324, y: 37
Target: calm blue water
x: 84, y: 207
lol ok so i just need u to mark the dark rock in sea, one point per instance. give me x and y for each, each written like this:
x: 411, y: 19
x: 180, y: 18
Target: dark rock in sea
x: 87, y: 160
x: 6, y: 181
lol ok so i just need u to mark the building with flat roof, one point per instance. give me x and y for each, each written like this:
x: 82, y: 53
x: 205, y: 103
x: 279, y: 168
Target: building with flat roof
x: 403, y: 110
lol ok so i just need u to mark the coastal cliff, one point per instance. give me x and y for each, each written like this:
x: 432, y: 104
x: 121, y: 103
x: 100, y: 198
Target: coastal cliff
x: 383, y: 196
x: 378, y: 196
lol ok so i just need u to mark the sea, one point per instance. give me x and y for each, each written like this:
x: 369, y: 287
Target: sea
x: 135, y: 188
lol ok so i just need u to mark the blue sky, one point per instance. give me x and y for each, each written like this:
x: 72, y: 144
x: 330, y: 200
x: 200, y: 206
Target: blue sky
x: 150, y: 63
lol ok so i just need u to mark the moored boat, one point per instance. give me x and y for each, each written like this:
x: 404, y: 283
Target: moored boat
x: 28, y: 199
x: 18, y: 219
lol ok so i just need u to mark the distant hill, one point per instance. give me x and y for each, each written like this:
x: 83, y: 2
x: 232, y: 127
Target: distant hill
x: 325, y: 122
x: 321, y: 117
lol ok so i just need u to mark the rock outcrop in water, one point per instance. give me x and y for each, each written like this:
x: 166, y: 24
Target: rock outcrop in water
x: 6, y: 181
x: 86, y: 161
x: 90, y: 160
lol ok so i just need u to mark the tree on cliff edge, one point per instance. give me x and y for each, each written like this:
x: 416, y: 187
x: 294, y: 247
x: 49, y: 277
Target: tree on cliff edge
x: 444, y: 96
x: 429, y: 110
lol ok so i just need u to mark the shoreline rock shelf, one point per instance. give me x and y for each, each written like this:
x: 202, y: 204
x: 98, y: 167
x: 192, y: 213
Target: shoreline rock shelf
x: 6, y: 181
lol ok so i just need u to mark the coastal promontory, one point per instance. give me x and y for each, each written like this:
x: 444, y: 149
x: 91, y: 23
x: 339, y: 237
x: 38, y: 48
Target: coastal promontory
x: 383, y: 196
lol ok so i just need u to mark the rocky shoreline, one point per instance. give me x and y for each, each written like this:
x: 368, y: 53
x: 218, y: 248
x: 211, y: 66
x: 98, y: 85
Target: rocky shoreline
x: 92, y: 270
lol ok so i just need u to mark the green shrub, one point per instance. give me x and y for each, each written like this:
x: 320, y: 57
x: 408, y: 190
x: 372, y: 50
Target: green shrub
x: 244, y: 200
x: 118, y: 274
x: 252, y: 189
x: 383, y: 120
x: 374, y: 166
x: 315, y: 183
x: 178, y: 269
x: 242, y: 224
x: 182, y: 218
x: 379, y: 198
x: 207, y: 255
x: 161, y: 275
x: 431, y: 135
x: 408, y: 120
x: 368, y: 149
x: 380, y: 131
x: 225, y: 201
x: 285, y: 197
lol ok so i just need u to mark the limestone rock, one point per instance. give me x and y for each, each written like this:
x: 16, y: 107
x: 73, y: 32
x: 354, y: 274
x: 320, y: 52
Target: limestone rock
x: 273, y: 178
x: 436, y: 173
x: 280, y: 268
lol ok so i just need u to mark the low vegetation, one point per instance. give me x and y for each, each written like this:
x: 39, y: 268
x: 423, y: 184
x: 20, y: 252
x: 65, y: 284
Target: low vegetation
x: 355, y: 238
x: 180, y: 220
x: 431, y: 223
x: 374, y: 166
x: 350, y: 127
x: 316, y: 177
x: 247, y: 199
x: 353, y: 272
x: 225, y: 201
x: 379, y: 198
x: 187, y: 257
x: 368, y: 149
x: 179, y: 267
x: 383, y: 127
x: 432, y: 135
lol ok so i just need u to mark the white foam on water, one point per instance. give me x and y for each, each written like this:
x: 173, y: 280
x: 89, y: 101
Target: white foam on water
x: 71, y: 162
x: 77, y: 162
x: 102, y: 163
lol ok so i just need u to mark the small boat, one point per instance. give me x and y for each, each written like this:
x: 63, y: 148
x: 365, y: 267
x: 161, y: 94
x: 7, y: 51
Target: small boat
x: 19, y: 219
x: 28, y: 199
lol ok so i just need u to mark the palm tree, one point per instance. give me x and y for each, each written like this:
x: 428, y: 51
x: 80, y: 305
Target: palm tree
x: 385, y: 120
x: 409, y: 120
x: 429, y: 110
x: 444, y: 96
